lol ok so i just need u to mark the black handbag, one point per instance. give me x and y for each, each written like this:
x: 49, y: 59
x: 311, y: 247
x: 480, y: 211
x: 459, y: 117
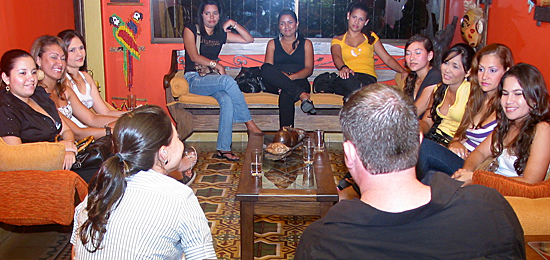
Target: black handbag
x: 94, y: 154
x: 250, y: 80
x: 324, y: 82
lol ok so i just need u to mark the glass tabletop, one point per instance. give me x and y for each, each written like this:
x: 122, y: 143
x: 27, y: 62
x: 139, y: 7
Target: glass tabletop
x: 288, y: 173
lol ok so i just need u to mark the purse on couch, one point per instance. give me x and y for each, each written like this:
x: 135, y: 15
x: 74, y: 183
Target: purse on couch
x: 203, y: 70
x: 250, y: 80
x: 93, y: 154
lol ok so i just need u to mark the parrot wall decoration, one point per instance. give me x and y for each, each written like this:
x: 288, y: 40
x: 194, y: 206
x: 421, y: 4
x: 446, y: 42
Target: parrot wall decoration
x: 125, y: 34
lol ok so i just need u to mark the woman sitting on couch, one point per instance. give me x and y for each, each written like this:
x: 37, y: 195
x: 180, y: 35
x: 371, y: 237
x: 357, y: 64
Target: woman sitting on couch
x: 50, y: 54
x: 520, y: 141
x: 288, y: 63
x: 27, y: 114
x: 223, y: 88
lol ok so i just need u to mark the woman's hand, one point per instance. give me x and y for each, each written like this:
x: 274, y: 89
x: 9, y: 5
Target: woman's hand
x: 459, y: 149
x: 70, y: 159
x: 220, y: 68
x: 345, y: 71
x: 463, y: 175
x: 228, y: 25
x: 69, y: 146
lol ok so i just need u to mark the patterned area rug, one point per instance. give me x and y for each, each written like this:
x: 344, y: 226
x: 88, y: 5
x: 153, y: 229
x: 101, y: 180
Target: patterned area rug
x: 276, y: 237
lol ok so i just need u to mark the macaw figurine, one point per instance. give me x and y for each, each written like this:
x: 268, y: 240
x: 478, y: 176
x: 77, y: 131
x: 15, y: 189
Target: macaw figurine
x: 126, y: 34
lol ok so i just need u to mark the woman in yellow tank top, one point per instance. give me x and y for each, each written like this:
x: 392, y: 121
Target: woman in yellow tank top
x: 353, y: 53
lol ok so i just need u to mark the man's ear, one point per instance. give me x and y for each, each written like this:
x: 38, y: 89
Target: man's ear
x: 350, y: 154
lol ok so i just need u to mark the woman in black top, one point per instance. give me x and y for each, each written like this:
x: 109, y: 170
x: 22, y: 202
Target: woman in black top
x: 288, y: 63
x: 223, y: 88
x: 27, y: 114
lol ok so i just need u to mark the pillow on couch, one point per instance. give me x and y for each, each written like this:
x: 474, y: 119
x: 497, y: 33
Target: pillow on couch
x: 533, y: 214
x: 179, y: 84
x: 44, y: 156
x: 511, y: 187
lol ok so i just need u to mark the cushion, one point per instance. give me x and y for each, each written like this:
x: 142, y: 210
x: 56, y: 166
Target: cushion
x: 533, y: 214
x: 179, y: 84
x: 39, y: 197
x: 511, y: 187
x: 44, y: 156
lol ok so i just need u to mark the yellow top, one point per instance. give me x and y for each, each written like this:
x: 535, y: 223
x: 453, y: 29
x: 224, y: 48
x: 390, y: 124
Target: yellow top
x: 451, y: 121
x: 360, y: 59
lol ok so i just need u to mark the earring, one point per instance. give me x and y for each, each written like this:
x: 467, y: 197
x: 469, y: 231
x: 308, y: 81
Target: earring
x: 39, y: 74
x: 166, y: 162
x: 8, y: 88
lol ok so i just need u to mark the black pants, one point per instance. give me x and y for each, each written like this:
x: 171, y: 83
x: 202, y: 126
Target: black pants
x: 347, y: 86
x: 291, y: 90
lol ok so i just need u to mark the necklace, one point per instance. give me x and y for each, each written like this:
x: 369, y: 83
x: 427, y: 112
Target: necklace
x: 355, y: 52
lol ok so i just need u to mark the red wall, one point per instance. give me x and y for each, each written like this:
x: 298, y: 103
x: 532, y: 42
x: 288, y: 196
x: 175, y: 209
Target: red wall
x: 148, y: 71
x: 24, y: 21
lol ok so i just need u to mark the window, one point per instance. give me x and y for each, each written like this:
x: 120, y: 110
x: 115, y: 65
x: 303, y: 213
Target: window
x: 390, y: 19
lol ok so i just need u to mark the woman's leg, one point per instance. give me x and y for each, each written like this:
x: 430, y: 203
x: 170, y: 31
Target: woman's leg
x: 436, y: 157
x: 345, y: 87
x: 276, y: 78
x: 225, y: 123
x: 366, y: 79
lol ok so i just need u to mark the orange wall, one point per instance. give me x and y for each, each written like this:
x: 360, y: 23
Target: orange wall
x: 148, y: 71
x: 24, y: 21
x: 511, y: 24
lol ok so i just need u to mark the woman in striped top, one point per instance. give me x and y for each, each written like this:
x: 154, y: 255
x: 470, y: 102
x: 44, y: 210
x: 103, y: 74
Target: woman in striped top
x: 133, y: 209
x: 479, y: 119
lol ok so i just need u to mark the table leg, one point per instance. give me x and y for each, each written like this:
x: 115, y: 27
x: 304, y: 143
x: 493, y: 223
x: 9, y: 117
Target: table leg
x: 247, y: 230
x: 324, y: 207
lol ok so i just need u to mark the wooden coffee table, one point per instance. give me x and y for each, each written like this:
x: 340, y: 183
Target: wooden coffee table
x: 294, y: 190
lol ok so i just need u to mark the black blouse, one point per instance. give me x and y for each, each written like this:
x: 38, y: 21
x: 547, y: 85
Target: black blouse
x: 18, y: 119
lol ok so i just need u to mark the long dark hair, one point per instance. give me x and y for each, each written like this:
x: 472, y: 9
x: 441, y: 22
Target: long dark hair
x: 477, y: 97
x: 67, y: 36
x: 536, y: 97
x: 299, y: 36
x: 413, y: 76
x: 38, y: 48
x: 7, y: 63
x: 362, y: 6
x: 467, y: 53
x: 200, y: 21
x: 137, y: 137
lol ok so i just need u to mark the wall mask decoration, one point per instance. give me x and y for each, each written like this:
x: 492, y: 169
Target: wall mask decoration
x: 472, y: 24
x: 126, y: 34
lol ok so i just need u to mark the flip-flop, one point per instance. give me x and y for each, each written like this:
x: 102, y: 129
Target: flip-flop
x: 308, y: 107
x: 223, y: 155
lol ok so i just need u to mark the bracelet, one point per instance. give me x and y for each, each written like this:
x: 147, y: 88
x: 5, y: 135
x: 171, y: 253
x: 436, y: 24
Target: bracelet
x: 213, y: 64
x: 343, y: 66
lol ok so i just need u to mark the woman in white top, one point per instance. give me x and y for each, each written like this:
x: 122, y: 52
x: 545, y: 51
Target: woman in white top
x: 520, y: 140
x: 50, y: 53
x: 80, y: 81
x: 133, y: 209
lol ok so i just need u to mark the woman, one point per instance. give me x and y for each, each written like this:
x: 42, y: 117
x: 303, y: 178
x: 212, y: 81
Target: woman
x: 288, y: 63
x: 223, y: 88
x: 479, y: 120
x: 50, y: 53
x: 419, y: 84
x: 353, y: 53
x: 80, y: 81
x: 170, y: 220
x: 26, y: 112
x: 520, y: 141
x: 449, y: 99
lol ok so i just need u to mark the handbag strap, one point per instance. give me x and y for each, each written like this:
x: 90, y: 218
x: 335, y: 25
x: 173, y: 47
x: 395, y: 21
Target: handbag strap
x: 198, y: 40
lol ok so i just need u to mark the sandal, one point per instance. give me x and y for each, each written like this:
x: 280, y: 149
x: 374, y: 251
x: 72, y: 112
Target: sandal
x: 223, y: 155
x: 308, y: 107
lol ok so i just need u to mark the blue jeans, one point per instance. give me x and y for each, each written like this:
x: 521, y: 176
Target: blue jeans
x: 233, y: 107
x: 436, y: 157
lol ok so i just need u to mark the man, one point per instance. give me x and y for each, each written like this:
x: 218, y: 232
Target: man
x: 398, y: 217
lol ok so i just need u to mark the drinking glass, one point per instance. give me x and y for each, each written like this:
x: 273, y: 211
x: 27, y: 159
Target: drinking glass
x: 131, y: 101
x: 307, y: 150
x: 319, y: 140
x: 256, y: 162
